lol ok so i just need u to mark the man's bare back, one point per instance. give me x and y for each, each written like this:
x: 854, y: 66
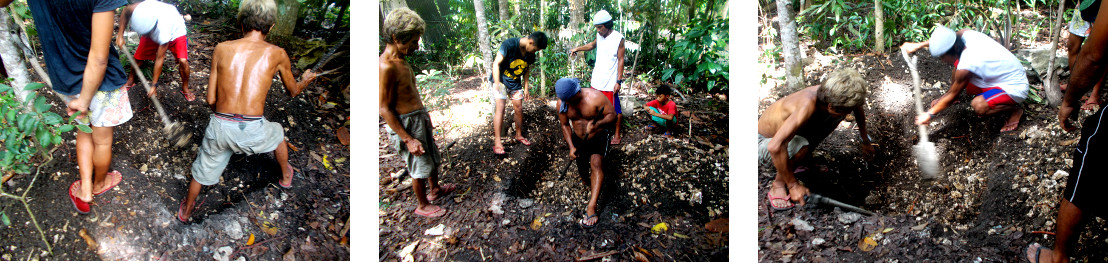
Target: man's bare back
x: 592, y: 108
x: 802, y: 102
x: 395, y: 72
x: 242, y: 71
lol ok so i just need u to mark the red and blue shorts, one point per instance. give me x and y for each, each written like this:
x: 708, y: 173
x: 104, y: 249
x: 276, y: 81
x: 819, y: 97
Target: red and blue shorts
x: 993, y: 95
x: 614, y: 99
x: 148, y: 49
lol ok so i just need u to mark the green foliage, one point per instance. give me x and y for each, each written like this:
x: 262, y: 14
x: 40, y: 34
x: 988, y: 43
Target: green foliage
x: 700, y: 57
x: 25, y: 132
x: 844, y: 24
x: 433, y: 87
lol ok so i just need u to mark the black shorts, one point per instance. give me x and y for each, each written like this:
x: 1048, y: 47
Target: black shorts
x: 599, y: 144
x: 1087, y: 176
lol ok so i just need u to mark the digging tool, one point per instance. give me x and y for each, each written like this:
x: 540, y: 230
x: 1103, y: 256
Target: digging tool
x: 926, y: 155
x: 566, y: 169
x: 816, y: 199
x: 175, y: 132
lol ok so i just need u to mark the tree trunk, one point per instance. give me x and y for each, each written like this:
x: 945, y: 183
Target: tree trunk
x: 1050, y: 84
x: 577, y: 15
x: 505, y: 9
x: 13, y: 57
x: 794, y: 70
x: 542, y: 27
x: 879, y: 19
x: 287, y: 13
x: 483, y: 34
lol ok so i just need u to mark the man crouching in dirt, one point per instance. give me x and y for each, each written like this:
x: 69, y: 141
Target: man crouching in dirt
x: 409, y: 125
x: 242, y: 71
x: 592, y: 117
x: 983, y: 68
x: 793, y: 126
x: 1081, y: 198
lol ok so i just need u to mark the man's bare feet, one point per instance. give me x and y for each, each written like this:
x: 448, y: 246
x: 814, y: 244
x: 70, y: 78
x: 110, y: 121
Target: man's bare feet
x: 615, y: 139
x: 1092, y: 103
x: 287, y: 173
x: 1013, y: 121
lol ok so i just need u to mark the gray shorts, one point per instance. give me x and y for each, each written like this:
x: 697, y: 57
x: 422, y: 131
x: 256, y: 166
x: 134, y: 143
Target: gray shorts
x: 225, y: 137
x: 418, y: 124
x: 764, y: 157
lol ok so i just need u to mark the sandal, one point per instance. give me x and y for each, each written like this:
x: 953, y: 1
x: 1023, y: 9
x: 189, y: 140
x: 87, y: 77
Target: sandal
x: 443, y: 191
x: 188, y: 96
x: 779, y: 208
x: 81, y: 206
x: 587, y: 217
x: 432, y: 214
x: 118, y: 178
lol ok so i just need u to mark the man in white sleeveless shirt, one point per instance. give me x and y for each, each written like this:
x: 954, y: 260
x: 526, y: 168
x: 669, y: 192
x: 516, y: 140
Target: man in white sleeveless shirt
x: 608, y: 71
x: 162, y: 28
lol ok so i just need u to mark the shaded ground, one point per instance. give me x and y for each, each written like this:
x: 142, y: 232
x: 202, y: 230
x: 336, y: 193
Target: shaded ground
x: 136, y: 220
x: 997, y: 192
x: 520, y: 208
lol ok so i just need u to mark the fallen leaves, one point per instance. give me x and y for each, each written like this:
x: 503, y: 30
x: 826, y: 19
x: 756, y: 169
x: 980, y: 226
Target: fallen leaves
x: 719, y: 225
x: 92, y: 245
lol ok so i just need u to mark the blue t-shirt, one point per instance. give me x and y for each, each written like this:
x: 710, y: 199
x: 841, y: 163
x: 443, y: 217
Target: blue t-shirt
x: 514, y: 64
x: 65, y: 30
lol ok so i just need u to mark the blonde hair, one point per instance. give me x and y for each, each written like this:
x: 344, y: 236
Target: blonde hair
x: 403, y: 24
x: 843, y: 88
x: 257, y: 15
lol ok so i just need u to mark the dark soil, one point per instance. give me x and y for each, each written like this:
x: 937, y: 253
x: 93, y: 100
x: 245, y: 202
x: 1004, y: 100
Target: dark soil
x: 649, y: 179
x: 136, y: 220
x: 995, y: 190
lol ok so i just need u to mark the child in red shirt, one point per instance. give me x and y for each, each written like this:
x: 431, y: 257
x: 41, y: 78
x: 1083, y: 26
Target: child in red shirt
x: 662, y: 110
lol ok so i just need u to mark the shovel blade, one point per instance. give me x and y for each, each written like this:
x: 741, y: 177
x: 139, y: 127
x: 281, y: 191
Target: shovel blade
x: 928, y: 159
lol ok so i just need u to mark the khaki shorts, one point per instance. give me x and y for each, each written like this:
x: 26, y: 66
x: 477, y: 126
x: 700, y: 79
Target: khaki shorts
x: 106, y: 109
x: 764, y: 157
x: 224, y: 137
x: 418, y: 125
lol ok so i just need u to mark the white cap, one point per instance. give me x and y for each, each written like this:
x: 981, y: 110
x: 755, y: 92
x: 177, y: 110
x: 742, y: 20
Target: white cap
x: 601, y: 17
x: 942, y: 39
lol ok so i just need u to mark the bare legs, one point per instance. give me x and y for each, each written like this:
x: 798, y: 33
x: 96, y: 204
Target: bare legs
x: 94, y: 155
x: 981, y: 107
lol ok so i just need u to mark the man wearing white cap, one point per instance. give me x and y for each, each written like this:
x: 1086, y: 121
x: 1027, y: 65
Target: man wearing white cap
x: 983, y: 68
x: 608, y: 70
x: 162, y: 29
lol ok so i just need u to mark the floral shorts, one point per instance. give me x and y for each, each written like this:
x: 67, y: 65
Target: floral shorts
x: 107, y: 108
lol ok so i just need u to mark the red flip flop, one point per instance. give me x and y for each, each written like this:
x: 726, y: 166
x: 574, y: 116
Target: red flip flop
x: 118, y: 178
x: 524, y: 141
x: 81, y: 206
x: 179, y: 210
x: 290, y: 180
x: 188, y: 97
x: 501, y: 152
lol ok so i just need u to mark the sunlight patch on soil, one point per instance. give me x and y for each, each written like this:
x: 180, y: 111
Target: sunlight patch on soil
x: 459, y: 119
x: 893, y: 96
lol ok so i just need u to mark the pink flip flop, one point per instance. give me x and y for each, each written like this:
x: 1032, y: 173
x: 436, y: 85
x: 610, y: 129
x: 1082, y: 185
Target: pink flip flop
x: 118, y: 178
x: 443, y: 191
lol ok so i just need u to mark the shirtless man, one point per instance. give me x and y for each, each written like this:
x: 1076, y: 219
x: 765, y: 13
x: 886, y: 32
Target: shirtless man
x: 409, y: 125
x: 794, y: 125
x: 242, y: 71
x: 592, y: 117
x: 985, y: 69
x: 162, y: 28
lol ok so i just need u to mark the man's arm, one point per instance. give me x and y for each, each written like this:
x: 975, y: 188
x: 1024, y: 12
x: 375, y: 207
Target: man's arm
x: 1088, y: 69
x: 860, y: 117
x: 213, y: 78
x: 124, y: 19
x: 387, y: 85
x: 159, y: 60
x: 567, y: 130
x: 97, y: 64
x: 285, y: 68
x: 590, y: 46
x: 913, y: 46
x: 609, y: 118
x: 496, y: 73
x: 526, y: 79
x: 961, y: 78
x: 619, y: 66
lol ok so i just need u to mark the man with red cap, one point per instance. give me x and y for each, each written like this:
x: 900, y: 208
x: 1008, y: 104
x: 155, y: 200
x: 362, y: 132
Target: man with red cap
x: 983, y: 68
